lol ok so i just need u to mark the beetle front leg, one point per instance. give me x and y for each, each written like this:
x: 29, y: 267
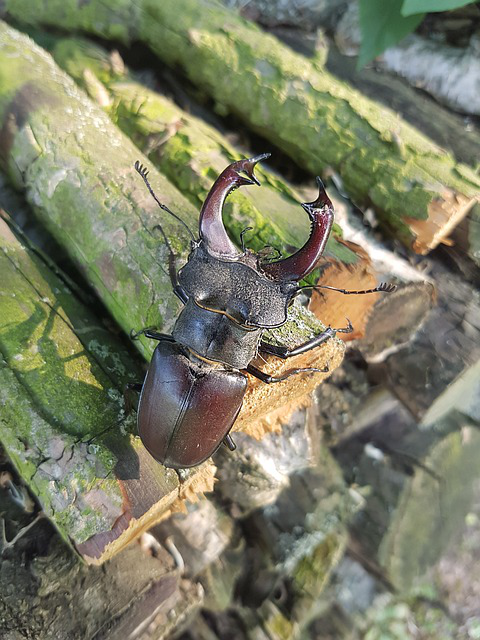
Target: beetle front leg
x: 268, y: 379
x: 148, y: 332
x: 178, y: 290
x: 284, y: 352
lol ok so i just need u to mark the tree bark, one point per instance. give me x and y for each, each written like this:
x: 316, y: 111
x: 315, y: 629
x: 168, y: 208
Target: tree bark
x: 420, y: 486
x: 419, y: 190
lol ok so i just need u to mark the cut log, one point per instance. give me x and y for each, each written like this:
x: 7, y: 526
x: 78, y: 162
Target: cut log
x: 62, y: 417
x: 262, y: 468
x: 443, y: 352
x: 190, y: 153
x: 295, y: 541
x: 420, y: 487
x: 419, y: 190
x: 395, y: 318
x: 449, y: 130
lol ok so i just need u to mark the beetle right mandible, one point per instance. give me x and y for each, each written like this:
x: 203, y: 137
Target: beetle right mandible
x: 194, y: 387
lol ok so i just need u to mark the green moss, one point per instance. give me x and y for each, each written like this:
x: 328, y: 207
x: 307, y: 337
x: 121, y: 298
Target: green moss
x: 69, y: 481
x: 317, y: 119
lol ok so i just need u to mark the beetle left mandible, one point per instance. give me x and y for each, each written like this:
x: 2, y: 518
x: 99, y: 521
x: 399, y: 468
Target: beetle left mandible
x: 194, y: 387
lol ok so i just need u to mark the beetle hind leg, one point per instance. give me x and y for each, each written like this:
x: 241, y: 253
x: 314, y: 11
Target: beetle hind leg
x: 127, y: 395
x: 228, y: 442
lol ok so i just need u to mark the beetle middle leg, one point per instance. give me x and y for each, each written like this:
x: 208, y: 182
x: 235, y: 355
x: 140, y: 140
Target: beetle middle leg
x: 284, y: 352
x: 149, y: 332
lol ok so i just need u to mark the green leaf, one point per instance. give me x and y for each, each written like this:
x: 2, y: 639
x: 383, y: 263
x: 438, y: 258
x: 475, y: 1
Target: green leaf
x: 411, y: 7
x: 382, y: 25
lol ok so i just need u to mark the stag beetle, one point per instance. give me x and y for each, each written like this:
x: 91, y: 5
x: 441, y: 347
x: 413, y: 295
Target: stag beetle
x: 195, y: 383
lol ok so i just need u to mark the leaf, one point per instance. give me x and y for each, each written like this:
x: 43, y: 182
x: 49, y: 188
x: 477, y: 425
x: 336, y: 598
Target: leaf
x: 382, y: 25
x: 411, y: 7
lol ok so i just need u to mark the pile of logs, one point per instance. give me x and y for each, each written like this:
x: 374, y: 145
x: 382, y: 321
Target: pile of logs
x: 254, y: 558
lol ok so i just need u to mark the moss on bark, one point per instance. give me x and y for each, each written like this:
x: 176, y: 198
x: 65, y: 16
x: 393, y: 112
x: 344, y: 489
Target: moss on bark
x: 55, y: 395
x: 77, y: 171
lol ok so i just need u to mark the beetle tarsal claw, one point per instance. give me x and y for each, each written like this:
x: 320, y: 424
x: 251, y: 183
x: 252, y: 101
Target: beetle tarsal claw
x: 347, y: 329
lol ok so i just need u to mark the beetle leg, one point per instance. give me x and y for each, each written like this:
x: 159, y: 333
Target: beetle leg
x: 148, y: 332
x: 265, y: 377
x: 129, y: 387
x: 316, y: 341
x: 228, y: 442
x: 285, y: 352
x: 178, y: 290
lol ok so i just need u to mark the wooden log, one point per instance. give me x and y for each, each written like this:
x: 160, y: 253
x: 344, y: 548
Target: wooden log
x: 447, y: 347
x: 262, y: 469
x: 419, y: 190
x: 297, y: 539
x: 394, y: 319
x: 449, y: 130
x: 62, y: 418
x: 190, y: 152
x: 420, y: 486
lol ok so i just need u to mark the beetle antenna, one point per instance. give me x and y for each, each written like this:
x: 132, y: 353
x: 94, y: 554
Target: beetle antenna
x: 383, y: 287
x: 143, y: 171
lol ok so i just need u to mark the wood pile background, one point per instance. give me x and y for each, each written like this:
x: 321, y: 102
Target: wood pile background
x: 340, y: 498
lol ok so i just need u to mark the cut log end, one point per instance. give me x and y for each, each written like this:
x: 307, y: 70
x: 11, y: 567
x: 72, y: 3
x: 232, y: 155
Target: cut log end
x: 333, y: 308
x: 141, y: 511
x: 267, y: 406
x: 444, y: 214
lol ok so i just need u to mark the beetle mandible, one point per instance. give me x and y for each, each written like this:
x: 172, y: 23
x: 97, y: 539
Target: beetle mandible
x: 196, y: 381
